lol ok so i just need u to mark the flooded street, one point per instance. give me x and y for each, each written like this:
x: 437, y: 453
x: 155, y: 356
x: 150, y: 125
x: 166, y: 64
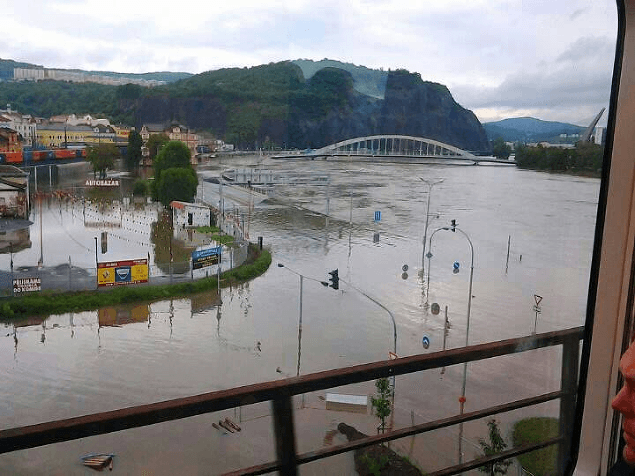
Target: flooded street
x: 74, y: 364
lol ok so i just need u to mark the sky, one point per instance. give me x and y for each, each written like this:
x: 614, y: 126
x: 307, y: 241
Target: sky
x: 549, y: 59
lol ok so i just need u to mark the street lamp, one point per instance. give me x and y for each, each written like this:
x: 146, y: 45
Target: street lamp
x: 430, y: 184
x: 324, y: 283
x: 462, y: 399
x: 392, y: 317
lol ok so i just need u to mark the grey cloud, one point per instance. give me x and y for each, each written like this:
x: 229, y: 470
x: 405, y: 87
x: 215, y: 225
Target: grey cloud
x: 577, y: 13
x: 534, y: 89
x: 587, y: 49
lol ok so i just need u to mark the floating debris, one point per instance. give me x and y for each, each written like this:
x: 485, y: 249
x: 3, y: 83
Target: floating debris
x: 230, y: 422
x: 215, y: 425
x: 226, y: 426
x: 98, y: 461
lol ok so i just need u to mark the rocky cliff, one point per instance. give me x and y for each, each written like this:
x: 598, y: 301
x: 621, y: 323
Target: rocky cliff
x: 273, y: 104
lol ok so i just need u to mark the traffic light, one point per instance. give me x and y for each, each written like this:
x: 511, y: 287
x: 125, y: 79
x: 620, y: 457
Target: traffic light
x: 453, y: 225
x: 334, y: 279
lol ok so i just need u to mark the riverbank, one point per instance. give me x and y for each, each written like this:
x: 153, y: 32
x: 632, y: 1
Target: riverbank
x: 48, y: 302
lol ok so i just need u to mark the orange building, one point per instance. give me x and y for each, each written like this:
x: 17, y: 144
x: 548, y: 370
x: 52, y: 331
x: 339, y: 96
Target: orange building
x: 9, y: 140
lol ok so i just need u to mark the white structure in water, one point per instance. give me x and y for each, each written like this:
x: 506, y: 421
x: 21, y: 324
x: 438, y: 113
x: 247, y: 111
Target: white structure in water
x: 189, y: 215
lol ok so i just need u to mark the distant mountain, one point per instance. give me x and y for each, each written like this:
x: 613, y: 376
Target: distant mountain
x: 371, y: 82
x: 529, y: 129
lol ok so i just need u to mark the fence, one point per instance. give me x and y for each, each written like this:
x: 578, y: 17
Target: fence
x: 280, y: 393
x: 67, y: 277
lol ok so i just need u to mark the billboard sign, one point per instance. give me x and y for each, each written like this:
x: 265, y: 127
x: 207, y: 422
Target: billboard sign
x: 206, y: 257
x: 115, y: 273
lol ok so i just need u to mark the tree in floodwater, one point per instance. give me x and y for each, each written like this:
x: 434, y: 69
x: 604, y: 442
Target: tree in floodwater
x: 174, y: 177
x: 133, y: 155
x: 500, y: 149
x: 155, y: 143
x: 102, y: 157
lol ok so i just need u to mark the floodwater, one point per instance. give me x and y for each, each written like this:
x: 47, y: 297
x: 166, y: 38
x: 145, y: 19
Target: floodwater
x: 73, y: 364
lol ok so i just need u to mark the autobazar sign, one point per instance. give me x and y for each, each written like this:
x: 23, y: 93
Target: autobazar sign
x: 206, y: 257
x: 102, y: 183
x: 115, y: 273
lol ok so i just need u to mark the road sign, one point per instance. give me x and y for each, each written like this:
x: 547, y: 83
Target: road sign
x: 404, y: 268
x: 455, y: 267
x: 392, y: 355
x: 425, y: 342
x: 537, y: 309
x: 435, y: 308
x: 537, y: 299
x: 378, y: 215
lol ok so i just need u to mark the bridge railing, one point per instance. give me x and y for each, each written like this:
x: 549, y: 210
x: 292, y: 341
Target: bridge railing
x: 280, y: 394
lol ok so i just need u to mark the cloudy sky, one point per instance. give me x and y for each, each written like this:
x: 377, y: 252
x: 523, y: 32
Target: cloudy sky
x: 550, y: 59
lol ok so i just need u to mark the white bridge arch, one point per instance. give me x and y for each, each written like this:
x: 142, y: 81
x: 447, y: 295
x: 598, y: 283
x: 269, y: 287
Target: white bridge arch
x: 387, y: 145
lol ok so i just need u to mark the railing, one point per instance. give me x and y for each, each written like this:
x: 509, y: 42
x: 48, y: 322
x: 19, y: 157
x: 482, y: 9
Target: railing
x: 68, y: 277
x: 280, y: 393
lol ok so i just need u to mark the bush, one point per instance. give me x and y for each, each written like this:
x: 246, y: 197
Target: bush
x: 141, y: 188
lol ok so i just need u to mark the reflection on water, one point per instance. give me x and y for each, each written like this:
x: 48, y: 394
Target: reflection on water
x: 13, y: 241
x: 124, y: 314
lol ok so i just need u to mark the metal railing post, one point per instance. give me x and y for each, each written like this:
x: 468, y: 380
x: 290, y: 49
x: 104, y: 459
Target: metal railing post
x: 569, y: 383
x: 285, y: 435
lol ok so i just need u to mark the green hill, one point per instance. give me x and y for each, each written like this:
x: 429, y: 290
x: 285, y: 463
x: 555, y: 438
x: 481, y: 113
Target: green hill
x: 529, y: 129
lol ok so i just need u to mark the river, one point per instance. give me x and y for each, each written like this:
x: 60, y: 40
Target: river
x: 74, y: 364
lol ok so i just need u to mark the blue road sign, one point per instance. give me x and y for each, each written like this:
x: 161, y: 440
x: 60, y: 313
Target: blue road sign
x: 378, y: 215
x: 425, y: 342
x: 456, y: 267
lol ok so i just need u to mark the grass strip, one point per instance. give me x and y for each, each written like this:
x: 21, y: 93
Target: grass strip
x: 53, y: 302
x: 541, y: 462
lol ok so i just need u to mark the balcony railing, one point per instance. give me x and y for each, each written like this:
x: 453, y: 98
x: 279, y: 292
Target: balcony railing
x: 281, y: 392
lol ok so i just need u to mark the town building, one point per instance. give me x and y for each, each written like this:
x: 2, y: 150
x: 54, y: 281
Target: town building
x: 14, y: 192
x: 175, y: 132
x: 24, y: 124
x: 64, y: 135
x: 9, y: 139
x: 185, y: 214
x: 40, y: 74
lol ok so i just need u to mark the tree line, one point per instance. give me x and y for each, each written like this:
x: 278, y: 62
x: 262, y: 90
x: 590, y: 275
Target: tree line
x: 585, y: 157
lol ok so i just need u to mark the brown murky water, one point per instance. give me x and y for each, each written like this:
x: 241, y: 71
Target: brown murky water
x: 75, y: 364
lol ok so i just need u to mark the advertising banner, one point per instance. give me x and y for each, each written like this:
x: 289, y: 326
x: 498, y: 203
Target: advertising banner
x: 115, y: 273
x: 207, y: 257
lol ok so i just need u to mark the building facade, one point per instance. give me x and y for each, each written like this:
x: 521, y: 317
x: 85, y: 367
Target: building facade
x: 24, y: 124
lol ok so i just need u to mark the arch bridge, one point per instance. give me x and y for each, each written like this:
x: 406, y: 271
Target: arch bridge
x: 395, y: 145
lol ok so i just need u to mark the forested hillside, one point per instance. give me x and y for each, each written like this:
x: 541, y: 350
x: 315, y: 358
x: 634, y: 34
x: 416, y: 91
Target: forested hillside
x: 267, y: 106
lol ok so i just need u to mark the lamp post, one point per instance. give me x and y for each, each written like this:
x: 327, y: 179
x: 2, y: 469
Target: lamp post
x: 453, y: 227
x: 96, y: 263
x: 280, y: 265
x: 392, y: 317
x: 430, y: 184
